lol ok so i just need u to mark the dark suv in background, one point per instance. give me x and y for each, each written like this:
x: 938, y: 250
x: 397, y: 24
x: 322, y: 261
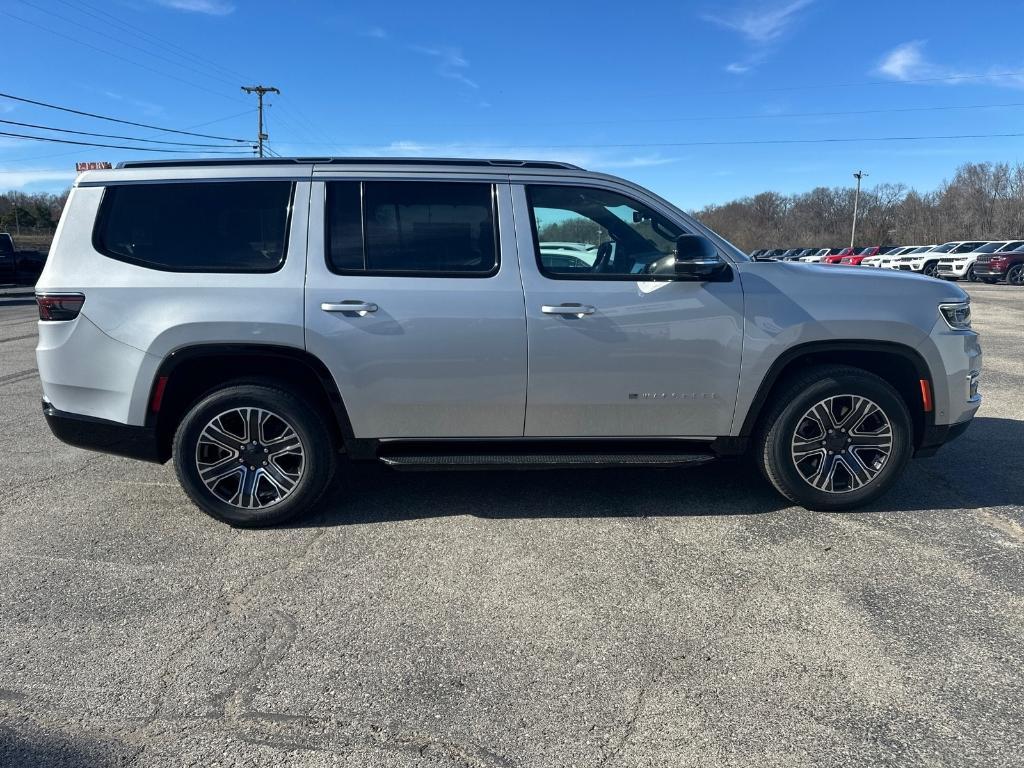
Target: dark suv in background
x: 993, y: 267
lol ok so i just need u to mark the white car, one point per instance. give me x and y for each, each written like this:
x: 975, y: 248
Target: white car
x: 885, y: 259
x: 578, y: 254
x: 906, y: 256
x: 815, y: 257
x: 927, y: 263
x: 962, y: 264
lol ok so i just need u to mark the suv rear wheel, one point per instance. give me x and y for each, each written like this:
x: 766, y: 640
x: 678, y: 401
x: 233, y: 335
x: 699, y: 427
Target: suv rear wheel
x: 1015, y: 275
x: 836, y: 438
x: 253, y: 455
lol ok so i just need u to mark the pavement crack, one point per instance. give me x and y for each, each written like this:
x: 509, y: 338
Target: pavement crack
x: 630, y: 726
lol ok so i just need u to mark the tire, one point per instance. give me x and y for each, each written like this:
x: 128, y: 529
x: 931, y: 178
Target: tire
x: 971, y: 277
x: 931, y: 269
x: 791, y: 454
x: 1015, y: 275
x: 284, y: 474
x: 989, y: 280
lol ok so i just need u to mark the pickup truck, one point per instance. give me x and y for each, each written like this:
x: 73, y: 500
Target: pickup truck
x: 18, y: 266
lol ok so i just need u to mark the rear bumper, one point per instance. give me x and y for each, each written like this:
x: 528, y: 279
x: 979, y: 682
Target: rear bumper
x: 104, y: 436
x: 938, y: 435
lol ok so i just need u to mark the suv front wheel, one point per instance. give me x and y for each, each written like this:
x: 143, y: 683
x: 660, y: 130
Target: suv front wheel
x: 837, y: 438
x: 253, y: 455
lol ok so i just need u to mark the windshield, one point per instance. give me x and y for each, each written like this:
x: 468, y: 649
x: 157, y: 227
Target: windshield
x: 861, y: 251
x: 990, y: 247
x: 1014, y: 246
x: 921, y: 249
x: 946, y: 247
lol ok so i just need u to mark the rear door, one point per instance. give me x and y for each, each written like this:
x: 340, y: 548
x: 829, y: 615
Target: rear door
x: 616, y: 349
x: 414, y: 302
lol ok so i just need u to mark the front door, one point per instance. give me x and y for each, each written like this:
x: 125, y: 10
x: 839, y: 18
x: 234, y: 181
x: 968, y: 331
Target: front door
x: 617, y: 346
x: 415, y: 304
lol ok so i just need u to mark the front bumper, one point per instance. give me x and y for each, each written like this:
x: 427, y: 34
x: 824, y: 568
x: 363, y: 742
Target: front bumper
x: 104, y: 436
x: 937, y: 435
x: 953, y: 270
x: 984, y: 270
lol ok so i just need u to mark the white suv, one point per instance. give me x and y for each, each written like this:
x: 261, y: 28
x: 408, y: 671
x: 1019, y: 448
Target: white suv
x: 252, y: 320
x: 959, y: 265
x: 927, y: 263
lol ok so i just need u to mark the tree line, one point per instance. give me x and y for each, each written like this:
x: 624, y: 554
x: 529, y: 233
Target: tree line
x: 31, y: 214
x: 982, y: 201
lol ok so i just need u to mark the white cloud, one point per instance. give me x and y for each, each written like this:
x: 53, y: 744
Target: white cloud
x: 10, y: 179
x: 451, y: 63
x: 761, y: 23
x: 209, y: 7
x: 907, y: 62
x: 377, y: 33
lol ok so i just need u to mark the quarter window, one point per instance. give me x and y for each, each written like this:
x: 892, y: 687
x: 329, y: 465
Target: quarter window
x: 412, y: 228
x: 588, y: 233
x: 233, y: 226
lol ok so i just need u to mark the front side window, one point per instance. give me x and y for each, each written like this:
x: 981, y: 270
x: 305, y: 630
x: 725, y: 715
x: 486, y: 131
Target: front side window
x: 412, y: 228
x: 232, y: 226
x: 966, y: 247
x: 590, y: 233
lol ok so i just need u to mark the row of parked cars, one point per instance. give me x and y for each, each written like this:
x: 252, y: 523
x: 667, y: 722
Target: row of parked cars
x: 988, y: 261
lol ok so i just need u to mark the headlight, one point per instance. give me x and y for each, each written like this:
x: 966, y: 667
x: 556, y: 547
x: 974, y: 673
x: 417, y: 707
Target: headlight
x: 957, y: 316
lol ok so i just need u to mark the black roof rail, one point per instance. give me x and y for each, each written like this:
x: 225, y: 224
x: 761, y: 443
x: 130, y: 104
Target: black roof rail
x: 449, y: 161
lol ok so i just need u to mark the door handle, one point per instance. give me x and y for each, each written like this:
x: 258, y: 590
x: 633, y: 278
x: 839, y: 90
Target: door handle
x: 577, y: 310
x: 348, y: 305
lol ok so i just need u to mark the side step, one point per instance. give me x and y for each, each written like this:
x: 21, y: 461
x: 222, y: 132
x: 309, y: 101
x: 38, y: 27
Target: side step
x: 545, y: 460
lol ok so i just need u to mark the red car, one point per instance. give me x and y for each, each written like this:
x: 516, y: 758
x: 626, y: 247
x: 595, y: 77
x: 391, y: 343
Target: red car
x: 859, y: 254
x: 835, y: 258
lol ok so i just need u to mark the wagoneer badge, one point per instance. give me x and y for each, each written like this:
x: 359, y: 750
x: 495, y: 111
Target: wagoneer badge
x: 673, y: 395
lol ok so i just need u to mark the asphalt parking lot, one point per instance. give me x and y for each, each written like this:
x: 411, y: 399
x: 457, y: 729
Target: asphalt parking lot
x: 570, y: 618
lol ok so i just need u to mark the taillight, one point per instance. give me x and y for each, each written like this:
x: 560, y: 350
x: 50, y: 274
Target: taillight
x: 59, y: 306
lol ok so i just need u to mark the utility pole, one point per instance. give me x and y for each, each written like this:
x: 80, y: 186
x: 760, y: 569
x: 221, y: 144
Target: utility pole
x: 260, y: 90
x: 856, y: 201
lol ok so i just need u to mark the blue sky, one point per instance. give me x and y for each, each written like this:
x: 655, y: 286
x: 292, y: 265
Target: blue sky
x: 622, y: 88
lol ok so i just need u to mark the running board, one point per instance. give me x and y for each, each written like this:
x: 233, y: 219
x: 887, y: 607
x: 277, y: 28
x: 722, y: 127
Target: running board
x: 546, y: 461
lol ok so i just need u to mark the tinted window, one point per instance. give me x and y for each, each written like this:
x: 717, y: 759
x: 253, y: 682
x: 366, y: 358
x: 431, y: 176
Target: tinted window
x: 989, y: 247
x: 966, y: 247
x: 415, y: 228
x: 235, y: 226
x: 623, y: 238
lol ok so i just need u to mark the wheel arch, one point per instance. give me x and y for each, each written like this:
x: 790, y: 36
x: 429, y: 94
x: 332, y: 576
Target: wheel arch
x: 188, y: 373
x: 901, y: 366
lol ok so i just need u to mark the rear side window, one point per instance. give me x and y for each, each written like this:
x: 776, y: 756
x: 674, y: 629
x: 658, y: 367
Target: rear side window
x: 415, y: 228
x: 233, y: 226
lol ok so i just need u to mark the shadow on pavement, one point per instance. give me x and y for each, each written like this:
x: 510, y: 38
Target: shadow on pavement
x: 33, y: 748
x: 962, y: 476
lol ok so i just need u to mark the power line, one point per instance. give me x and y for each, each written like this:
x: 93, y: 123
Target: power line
x: 842, y: 140
x: 137, y: 30
x: 119, y: 57
x: 113, y: 135
x: 118, y: 146
x: 54, y: 14
x: 750, y: 142
x: 78, y: 152
x: 123, y: 122
x: 751, y: 116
